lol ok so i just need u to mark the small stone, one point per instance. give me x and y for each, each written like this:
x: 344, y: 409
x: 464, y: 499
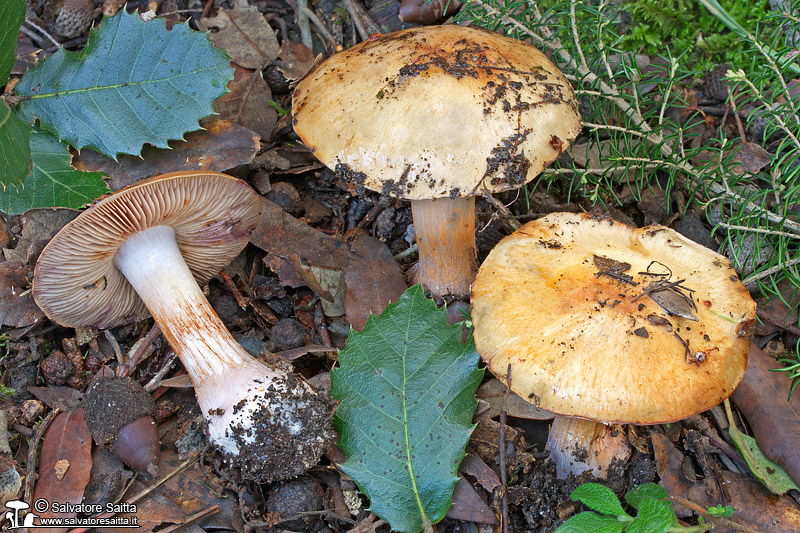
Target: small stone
x: 287, y: 334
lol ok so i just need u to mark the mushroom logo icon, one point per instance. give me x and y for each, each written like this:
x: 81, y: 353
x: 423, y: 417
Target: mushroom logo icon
x: 13, y: 516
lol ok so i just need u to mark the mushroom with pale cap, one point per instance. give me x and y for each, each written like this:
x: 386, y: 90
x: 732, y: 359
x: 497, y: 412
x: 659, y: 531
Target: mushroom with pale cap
x: 437, y: 115
x: 610, y: 324
x: 146, y: 248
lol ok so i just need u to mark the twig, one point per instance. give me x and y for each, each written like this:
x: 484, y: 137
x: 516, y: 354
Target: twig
x: 41, y: 30
x: 322, y: 328
x: 144, y: 492
x: 192, y: 518
x: 302, y: 23
x: 241, y: 300
x: 721, y: 519
x: 363, y: 22
x: 115, y: 346
x: 154, y: 383
x: 326, y: 513
x: 411, y: 250
x: 752, y: 278
x: 133, y: 358
x: 33, y: 448
x: 320, y: 26
x: 502, y: 444
x: 207, y: 9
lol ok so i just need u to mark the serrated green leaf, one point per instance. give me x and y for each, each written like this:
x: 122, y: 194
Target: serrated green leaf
x: 53, y: 182
x: 655, y: 516
x: 406, y: 385
x: 649, y: 490
x: 768, y: 472
x: 15, y: 152
x: 599, y: 498
x: 134, y: 83
x: 591, y: 523
x: 12, y: 13
x: 654, y: 491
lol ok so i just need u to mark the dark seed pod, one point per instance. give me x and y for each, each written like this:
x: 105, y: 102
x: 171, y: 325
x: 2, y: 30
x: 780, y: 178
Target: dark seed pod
x: 294, y: 496
x: 119, y: 411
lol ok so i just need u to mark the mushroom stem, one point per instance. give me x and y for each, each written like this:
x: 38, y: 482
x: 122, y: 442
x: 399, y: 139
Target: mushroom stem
x: 152, y: 263
x: 445, y: 230
x: 275, y: 421
x: 577, y: 445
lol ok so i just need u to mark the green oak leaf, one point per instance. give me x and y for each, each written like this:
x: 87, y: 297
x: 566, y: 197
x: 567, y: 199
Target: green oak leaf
x: 12, y: 13
x: 133, y: 83
x: 406, y: 386
x: 15, y: 152
x: 53, y: 182
x: 591, y: 523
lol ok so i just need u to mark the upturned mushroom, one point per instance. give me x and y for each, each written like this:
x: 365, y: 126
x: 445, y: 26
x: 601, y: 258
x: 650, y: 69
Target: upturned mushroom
x: 612, y: 325
x: 146, y: 248
x: 438, y: 115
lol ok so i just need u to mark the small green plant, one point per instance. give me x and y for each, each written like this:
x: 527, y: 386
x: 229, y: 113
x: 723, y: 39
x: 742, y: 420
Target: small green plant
x: 6, y: 393
x: 791, y: 368
x: 654, y: 512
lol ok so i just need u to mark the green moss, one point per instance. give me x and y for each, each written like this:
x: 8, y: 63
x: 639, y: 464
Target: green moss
x: 649, y: 25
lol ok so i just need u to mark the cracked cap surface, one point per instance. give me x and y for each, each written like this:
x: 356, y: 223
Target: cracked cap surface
x: 437, y: 111
x: 569, y: 302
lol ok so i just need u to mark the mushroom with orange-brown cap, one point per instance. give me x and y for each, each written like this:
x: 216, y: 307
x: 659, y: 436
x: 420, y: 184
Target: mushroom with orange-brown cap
x: 609, y: 323
x: 145, y: 248
x: 438, y: 115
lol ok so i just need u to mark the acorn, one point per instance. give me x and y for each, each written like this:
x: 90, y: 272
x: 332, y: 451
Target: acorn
x: 120, y: 412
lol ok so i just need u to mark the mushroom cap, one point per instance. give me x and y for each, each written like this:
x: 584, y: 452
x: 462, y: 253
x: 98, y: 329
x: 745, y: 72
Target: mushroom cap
x: 587, y: 337
x: 437, y: 111
x: 76, y: 283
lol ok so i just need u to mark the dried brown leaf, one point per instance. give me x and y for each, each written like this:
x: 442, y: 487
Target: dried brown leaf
x: 372, y: 280
x: 495, y: 393
x: 244, y: 33
x: 66, y: 442
x: 297, y: 58
x: 288, y: 241
x: 468, y: 506
x: 17, y: 308
x: 475, y: 467
x: 38, y: 225
x: 751, y: 157
x: 762, y: 399
x: 247, y: 103
x: 57, y: 396
x: 221, y: 146
x: 755, y: 507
